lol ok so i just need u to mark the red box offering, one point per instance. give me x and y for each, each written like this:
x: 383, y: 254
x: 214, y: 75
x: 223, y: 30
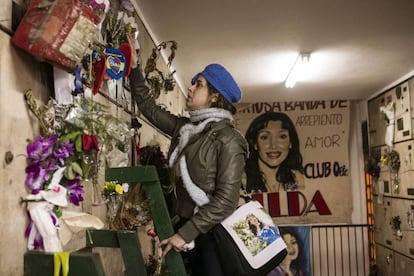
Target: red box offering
x: 57, y: 31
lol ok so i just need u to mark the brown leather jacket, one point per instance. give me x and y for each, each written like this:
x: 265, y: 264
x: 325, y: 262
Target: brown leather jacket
x: 215, y: 161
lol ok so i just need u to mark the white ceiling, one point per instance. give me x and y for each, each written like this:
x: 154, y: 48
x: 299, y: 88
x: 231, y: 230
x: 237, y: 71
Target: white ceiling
x: 359, y: 47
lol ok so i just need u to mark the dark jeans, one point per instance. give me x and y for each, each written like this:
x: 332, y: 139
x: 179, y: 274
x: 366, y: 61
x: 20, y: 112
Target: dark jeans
x: 203, y: 260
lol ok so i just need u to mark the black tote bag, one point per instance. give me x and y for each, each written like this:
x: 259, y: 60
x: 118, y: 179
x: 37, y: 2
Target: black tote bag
x: 249, y: 243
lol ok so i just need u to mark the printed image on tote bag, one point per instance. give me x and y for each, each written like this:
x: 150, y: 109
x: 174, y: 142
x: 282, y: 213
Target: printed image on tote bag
x: 254, y: 232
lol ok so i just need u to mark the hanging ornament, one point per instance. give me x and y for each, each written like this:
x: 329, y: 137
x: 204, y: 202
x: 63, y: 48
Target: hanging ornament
x: 115, y: 63
x: 98, y: 73
x: 78, y: 81
x: 126, y: 49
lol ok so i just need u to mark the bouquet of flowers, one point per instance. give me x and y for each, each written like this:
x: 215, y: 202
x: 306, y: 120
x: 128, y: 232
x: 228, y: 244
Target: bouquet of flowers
x: 114, y: 188
x: 52, y: 165
x: 65, y: 154
x: 373, y: 167
x: 54, y: 177
x: 113, y: 192
x: 392, y: 159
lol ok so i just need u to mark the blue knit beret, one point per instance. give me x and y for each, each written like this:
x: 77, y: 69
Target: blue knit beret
x: 222, y: 81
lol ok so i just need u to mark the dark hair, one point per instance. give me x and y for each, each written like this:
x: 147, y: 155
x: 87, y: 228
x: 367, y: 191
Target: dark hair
x: 221, y: 101
x: 253, y: 227
x: 298, y: 262
x: 255, y: 178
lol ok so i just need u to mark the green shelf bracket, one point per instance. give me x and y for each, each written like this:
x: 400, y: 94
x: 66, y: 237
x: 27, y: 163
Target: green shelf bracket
x: 148, y: 177
x: 127, y: 241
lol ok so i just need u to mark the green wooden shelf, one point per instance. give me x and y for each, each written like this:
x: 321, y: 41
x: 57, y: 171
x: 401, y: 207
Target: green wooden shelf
x: 148, y: 177
x: 80, y: 264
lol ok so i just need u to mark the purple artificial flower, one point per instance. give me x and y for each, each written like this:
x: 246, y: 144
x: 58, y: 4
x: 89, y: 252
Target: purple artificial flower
x: 28, y: 229
x: 64, y: 151
x: 36, y: 176
x: 75, y: 191
x: 41, y: 148
x: 126, y: 4
x: 54, y: 219
x: 50, y: 165
x: 97, y: 5
x: 38, y: 240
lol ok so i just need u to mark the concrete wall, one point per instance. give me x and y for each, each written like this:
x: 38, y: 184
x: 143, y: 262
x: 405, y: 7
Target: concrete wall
x: 395, y: 253
x: 19, y: 72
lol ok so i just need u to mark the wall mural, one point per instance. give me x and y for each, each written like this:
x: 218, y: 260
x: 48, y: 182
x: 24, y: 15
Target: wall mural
x: 298, y: 166
x: 297, y: 260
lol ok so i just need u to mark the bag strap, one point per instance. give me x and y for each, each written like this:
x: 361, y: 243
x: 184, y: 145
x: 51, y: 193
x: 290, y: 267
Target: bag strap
x: 244, y: 197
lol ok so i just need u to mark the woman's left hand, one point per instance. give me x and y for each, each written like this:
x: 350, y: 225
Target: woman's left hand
x: 175, y: 242
x: 134, y: 58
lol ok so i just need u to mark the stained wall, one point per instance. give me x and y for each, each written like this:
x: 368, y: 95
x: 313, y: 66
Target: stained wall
x: 19, y: 72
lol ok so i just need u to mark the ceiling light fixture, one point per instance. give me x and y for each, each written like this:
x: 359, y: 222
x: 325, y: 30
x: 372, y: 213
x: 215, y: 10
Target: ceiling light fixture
x: 298, y: 69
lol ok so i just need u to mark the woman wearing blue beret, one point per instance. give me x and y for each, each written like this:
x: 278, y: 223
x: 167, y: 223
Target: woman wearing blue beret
x: 208, y: 156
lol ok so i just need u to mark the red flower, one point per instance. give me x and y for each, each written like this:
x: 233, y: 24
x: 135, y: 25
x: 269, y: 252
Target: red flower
x: 89, y: 142
x: 151, y: 233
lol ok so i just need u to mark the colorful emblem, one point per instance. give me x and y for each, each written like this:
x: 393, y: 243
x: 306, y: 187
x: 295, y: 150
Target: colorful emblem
x: 115, y: 63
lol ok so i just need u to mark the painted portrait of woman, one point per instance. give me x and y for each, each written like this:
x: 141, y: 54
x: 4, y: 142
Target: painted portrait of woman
x: 275, y: 161
x: 296, y: 262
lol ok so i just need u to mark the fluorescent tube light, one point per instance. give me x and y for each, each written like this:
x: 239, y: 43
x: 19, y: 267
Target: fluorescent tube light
x: 298, y: 69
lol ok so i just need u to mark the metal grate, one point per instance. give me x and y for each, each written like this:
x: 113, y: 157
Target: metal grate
x: 340, y: 250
